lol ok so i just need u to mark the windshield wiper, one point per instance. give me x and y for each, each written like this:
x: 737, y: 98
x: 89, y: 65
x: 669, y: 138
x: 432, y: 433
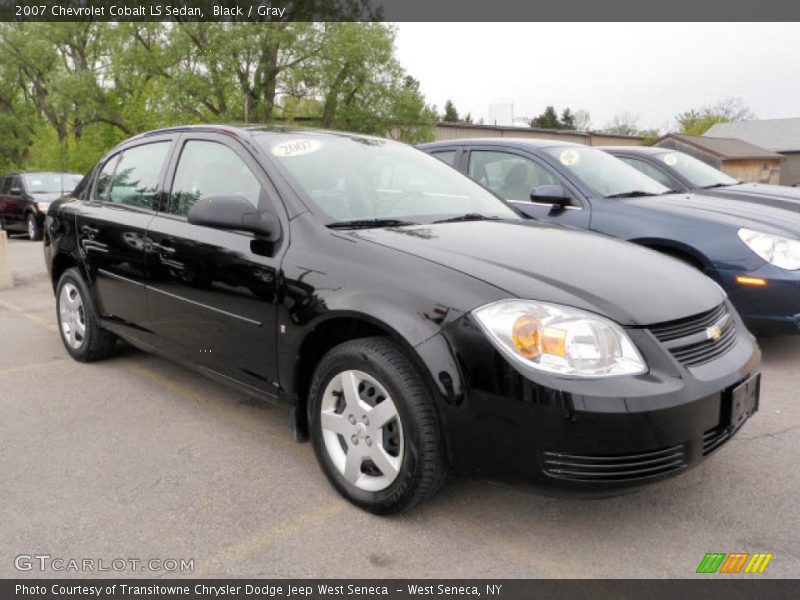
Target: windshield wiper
x: 631, y: 194
x: 716, y: 185
x: 469, y: 217
x: 369, y: 223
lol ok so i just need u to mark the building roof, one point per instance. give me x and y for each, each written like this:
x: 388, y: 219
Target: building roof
x: 569, y: 132
x: 779, y: 135
x: 723, y: 148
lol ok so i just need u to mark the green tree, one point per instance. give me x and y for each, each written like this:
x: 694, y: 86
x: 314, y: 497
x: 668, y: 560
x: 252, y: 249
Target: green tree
x: 547, y: 120
x: 450, y: 113
x: 698, y: 121
x: 568, y: 120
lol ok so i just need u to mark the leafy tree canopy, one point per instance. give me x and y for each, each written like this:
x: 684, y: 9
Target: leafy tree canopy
x: 70, y: 91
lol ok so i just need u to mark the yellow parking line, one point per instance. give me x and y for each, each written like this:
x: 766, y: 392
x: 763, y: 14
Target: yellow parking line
x: 31, y: 366
x: 30, y: 316
x: 263, y: 540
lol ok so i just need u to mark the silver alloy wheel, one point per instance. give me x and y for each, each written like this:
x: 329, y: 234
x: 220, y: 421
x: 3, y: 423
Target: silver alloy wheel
x: 31, y: 226
x: 72, y: 316
x: 362, y: 431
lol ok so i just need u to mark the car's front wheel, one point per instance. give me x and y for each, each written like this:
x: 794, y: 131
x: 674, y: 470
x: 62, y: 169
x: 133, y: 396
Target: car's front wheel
x: 78, y: 324
x: 374, y: 427
x: 34, y: 231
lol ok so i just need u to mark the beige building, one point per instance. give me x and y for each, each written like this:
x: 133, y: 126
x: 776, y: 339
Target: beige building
x: 739, y: 159
x: 460, y: 131
x: 778, y: 135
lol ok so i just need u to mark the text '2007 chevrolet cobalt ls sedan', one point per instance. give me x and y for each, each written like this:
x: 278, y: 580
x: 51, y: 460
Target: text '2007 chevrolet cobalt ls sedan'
x: 413, y: 322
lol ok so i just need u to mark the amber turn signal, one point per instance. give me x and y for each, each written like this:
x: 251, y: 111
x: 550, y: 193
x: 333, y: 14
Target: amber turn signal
x: 756, y: 281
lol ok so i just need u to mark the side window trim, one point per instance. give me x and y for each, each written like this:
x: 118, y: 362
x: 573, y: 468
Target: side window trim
x: 535, y: 160
x: 93, y: 191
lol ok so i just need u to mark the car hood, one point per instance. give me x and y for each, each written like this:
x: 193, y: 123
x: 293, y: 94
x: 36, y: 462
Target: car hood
x: 47, y: 197
x: 781, y: 217
x: 630, y: 284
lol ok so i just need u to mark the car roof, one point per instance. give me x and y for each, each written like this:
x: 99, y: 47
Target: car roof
x: 518, y: 143
x: 247, y: 130
x: 641, y: 150
x: 40, y: 173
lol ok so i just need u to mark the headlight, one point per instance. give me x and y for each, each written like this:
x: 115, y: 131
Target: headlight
x: 559, y: 339
x: 43, y: 206
x: 782, y: 252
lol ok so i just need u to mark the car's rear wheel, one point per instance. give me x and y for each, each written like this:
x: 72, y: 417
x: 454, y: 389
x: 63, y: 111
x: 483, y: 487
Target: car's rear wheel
x: 374, y: 428
x: 80, y: 331
x: 34, y: 231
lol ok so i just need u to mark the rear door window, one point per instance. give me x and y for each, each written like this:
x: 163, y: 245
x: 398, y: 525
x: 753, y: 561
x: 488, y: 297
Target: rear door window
x: 447, y: 156
x: 510, y: 176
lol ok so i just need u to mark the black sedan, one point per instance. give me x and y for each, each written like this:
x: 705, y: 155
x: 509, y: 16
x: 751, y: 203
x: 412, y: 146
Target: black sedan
x: 751, y: 250
x: 25, y: 198
x: 412, y: 322
x: 684, y: 173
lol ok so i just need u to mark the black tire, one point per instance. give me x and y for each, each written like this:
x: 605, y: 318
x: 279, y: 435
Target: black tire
x: 423, y: 468
x: 97, y: 343
x: 33, y: 229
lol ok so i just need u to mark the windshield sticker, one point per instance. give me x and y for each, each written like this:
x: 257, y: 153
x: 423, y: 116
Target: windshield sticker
x: 297, y: 147
x: 671, y: 160
x: 569, y: 157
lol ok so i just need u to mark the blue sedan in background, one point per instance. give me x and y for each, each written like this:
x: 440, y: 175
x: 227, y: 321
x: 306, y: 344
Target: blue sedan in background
x: 752, y: 250
x: 685, y: 173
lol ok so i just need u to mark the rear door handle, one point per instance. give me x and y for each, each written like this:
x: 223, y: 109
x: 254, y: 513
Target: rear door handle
x: 162, y: 248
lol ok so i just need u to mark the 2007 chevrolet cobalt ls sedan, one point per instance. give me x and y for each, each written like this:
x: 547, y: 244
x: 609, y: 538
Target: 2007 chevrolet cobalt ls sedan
x: 414, y: 323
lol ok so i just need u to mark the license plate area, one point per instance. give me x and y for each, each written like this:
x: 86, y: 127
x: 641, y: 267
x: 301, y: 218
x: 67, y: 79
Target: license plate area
x: 741, y: 402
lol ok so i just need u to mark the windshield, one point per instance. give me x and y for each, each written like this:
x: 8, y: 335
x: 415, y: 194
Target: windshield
x: 696, y: 172
x: 350, y: 178
x: 51, y: 183
x: 604, y: 174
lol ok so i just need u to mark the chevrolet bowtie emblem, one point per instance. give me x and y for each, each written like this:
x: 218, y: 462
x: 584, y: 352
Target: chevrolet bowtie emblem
x: 714, y: 332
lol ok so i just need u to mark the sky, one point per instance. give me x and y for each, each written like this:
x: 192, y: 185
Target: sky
x: 653, y: 70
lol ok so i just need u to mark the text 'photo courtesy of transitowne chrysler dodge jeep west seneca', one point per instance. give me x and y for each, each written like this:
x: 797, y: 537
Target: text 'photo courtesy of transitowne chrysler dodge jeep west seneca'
x: 413, y: 323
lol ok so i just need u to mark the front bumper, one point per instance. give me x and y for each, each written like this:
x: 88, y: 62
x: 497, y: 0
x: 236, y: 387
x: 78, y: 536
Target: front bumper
x: 772, y: 309
x: 592, y: 436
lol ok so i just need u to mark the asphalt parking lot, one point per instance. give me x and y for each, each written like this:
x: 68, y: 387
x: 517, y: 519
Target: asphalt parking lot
x: 135, y: 457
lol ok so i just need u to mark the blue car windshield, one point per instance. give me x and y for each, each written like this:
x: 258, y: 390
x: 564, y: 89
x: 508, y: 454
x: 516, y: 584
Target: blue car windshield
x: 349, y: 177
x: 604, y: 174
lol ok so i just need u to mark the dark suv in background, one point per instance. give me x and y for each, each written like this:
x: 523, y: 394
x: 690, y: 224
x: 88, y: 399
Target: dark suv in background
x: 25, y: 198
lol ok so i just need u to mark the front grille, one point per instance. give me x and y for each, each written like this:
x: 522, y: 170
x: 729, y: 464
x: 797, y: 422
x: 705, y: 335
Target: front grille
x: 620, y: 467
x: 714, y: 438
x: 688, y: 340
x: 674, y: 330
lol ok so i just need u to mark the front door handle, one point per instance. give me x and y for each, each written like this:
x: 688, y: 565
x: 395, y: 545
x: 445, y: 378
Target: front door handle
x: 91, y: 232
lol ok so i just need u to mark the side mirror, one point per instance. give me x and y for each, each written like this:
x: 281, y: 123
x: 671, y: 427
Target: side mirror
x: 551, y: 194
x: 15, y: 191
x: 233, y: 212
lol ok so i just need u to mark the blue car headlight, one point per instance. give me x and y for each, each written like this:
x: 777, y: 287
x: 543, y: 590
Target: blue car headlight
x: 781, y: 252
